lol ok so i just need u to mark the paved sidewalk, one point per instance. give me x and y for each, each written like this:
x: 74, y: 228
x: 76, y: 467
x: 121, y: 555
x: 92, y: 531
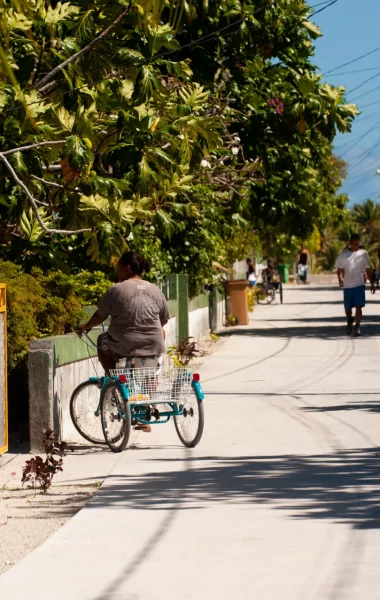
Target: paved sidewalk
x: 279, y: 501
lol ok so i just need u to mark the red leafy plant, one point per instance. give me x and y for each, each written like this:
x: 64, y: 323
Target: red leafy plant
x: 184, y: 352
x: 38, y: 472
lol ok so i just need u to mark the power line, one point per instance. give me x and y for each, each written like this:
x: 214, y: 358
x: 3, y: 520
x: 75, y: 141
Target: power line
x: 370, y: 104
x: 349, y: 141
x: 361, y: 180
x: 362, y: 118
x: 361, y: 138
x: 366, y: 154
x: 322, y: 9
x: 366, y: 93
x: 350, y: 62
x: 363, y: 83
x: 355, y: 71
x: 320, y: 3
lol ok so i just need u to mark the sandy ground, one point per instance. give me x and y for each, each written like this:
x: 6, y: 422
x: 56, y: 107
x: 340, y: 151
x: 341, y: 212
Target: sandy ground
x: 28, y: 517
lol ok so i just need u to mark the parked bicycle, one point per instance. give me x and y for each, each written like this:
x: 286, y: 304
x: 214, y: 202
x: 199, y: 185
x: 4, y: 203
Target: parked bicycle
x: 104, y: 409
x: 267, y: 289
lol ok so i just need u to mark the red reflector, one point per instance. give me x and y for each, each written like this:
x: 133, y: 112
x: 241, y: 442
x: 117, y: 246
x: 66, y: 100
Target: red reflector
x: 196, y: 377
x: 122, y: 378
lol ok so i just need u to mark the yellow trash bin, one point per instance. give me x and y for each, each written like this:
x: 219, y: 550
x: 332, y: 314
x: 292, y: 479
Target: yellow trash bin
x: 236, y: 290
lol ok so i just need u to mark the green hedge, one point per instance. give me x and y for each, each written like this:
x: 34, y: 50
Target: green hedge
x: 40, y: 305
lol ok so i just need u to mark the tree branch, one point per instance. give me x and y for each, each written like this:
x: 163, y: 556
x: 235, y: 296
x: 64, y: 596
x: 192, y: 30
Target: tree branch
x: 42, y: 203
x: 87, y: 48
x: 104, y: 140
x: 34, y: 202
x: 22, y: 148
x: 51, y: 183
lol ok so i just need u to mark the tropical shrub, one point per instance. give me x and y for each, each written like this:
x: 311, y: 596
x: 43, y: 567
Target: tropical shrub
x: 34, y: 310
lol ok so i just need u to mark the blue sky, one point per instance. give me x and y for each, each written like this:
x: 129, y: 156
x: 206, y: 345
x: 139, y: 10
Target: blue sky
x: 351, y: 28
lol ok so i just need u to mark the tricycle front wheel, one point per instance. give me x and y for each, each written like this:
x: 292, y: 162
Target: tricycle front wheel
x: 85, y: 411
x: 116, y: 417
x: 190, y: 424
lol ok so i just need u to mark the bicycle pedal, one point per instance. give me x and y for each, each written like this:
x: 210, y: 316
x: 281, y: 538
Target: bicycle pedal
x: 156, y: 414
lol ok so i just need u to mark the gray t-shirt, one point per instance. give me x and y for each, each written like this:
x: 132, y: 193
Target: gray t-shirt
x: 137, y: 309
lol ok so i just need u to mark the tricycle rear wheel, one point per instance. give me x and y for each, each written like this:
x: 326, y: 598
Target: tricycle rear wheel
x: 190, y: 424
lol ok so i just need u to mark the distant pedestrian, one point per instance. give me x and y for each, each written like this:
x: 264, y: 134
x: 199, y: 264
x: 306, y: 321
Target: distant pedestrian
x: 303, y: 260
x: 251, y: 272
x: 351, y: 265
x: 378, y: 269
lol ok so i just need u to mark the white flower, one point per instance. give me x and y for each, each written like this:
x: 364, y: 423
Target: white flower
x: 235, y: 150
x: 181, y: 136
x: 205, y: 164
x: 130, y: 237
x: 237, y: 139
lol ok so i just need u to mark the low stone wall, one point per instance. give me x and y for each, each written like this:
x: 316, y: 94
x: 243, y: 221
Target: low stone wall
x: 199, y: 317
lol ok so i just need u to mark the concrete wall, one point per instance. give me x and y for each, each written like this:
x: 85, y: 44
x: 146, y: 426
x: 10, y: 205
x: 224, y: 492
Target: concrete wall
x: 221, y: 318
x: 171, y: 332
x: 199, y: 323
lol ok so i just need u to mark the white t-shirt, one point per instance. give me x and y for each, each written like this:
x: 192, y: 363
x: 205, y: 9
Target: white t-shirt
x: 354, y: 265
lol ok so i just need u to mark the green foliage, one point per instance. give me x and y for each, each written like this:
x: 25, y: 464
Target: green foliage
x: 363, y: 219
x: 251, y: 297
x: 184, y: 352
x: 120, y: 157
x: 87, y: 287
x: 328, y: 256
x: 40, y: 305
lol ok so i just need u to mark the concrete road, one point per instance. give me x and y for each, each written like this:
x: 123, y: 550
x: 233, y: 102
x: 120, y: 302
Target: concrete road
x: 281, y: 499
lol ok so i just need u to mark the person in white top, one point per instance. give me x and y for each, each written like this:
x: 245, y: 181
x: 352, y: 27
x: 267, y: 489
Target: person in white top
x: 352, y: 264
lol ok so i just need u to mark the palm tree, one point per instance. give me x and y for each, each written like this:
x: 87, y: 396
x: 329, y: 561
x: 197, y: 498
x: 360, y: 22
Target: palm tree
x: 366, y: 217
x: 328, y: 256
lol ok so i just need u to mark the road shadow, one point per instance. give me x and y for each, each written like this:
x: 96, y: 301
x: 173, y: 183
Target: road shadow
x: 330, y: 486
x: 329, y: 331
x: 316, y: 303
x: 367, y: 319
x: 303, y: 289
x: 372, y: 406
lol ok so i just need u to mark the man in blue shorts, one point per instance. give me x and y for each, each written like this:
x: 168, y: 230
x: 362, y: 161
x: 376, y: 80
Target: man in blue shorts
x: 352, y: 264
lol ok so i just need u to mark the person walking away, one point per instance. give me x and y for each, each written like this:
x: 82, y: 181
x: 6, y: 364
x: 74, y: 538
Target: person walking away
x: 378, y: 269
x: 303, y: 260
x: 138, y: 311
x: 268, y: 273
x: 251, y: 272
x: 351, y: 265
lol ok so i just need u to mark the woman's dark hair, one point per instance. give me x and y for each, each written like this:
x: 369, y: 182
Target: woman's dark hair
x: 137, y: 263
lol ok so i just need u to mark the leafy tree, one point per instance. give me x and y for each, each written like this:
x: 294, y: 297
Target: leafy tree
x: 285, y: 117
x: 98, y: 128
x: 366, y: 219
x: 108, y: 129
